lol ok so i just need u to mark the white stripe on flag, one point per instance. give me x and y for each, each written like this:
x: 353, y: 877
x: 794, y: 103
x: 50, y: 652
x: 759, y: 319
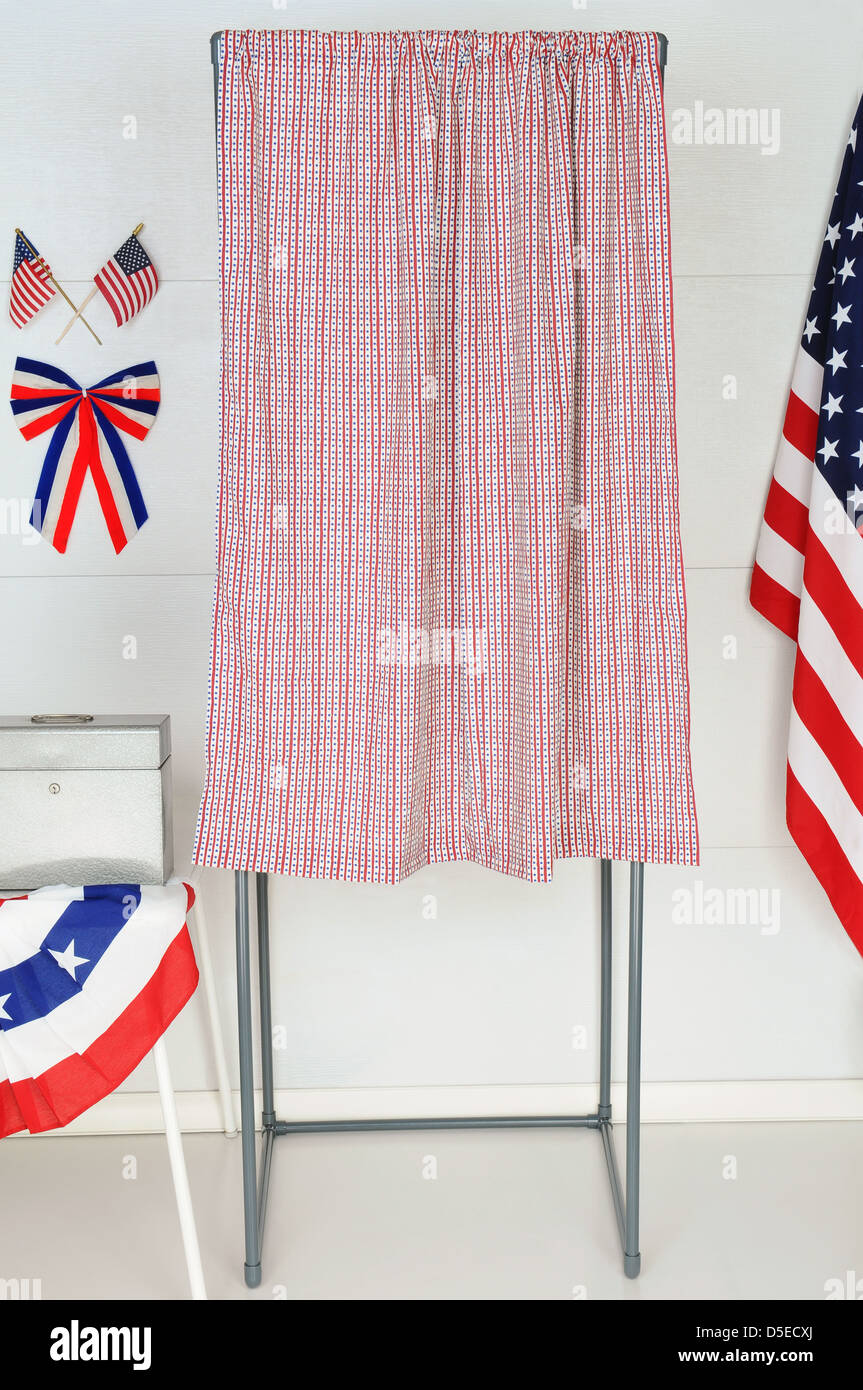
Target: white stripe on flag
x: 807, y: 379
x: 819, y: 780
x: 120, y: 288
x: 117, y: 299
x: 834, y: 529
x: 134, y: 291
x: 780, y: 560
x: 826, y: 655
x: 27, y: 295
x: 25, y: 305
x: 36, y: 286
x: 147, y: 278
x: 793, y: 471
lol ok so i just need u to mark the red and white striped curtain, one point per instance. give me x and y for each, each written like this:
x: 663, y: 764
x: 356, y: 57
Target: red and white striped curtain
x: 449, y: 615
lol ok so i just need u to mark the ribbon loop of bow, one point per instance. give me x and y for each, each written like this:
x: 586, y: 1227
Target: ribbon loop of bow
x: 87, y: 427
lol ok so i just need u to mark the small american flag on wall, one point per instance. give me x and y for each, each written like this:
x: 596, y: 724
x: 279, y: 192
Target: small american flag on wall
x: 808, y: 575
x: 31, y: 285
x: 128, y: 280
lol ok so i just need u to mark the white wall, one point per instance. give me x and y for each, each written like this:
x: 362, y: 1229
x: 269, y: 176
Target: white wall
x: 372, y: 994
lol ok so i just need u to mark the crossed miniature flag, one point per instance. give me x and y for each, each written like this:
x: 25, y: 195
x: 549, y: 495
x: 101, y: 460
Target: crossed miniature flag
x: 127, y: 281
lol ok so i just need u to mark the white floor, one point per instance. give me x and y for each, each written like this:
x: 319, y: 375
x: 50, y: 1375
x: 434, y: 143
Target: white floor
x: 510, y: 1215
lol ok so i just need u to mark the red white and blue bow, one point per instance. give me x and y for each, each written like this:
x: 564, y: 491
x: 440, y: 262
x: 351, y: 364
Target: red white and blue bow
x: 87, y: 427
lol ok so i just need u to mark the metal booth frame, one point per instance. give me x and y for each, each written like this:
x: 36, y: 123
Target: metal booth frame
x: 256, y: 1174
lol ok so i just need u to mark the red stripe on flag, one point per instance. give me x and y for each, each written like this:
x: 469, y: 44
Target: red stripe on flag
x: 801, y: 426
x: 24, y: 297
x: 775, y: 603
x: 33, y: 289
x: 136, y: 289
x: 786, y: 516
x: 826, y: 587
x: 145, y: 284
x: 36, y: 282
x: 825, y: 857
x: 120, y: 286
x: 27, y: 293
x: 823, y: 718
x: 36, y: 275
x: 108, y: 295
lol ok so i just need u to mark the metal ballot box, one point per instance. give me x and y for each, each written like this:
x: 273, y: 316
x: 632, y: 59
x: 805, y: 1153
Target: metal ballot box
x: 85, y: 799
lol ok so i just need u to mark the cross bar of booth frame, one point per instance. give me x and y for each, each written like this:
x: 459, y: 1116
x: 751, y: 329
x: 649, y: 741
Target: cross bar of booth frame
x: 625, y: 1194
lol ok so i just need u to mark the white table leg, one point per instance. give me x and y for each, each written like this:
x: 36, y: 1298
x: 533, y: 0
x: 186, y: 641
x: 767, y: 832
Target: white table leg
x: 178, y: 1172
x: 205, y: 964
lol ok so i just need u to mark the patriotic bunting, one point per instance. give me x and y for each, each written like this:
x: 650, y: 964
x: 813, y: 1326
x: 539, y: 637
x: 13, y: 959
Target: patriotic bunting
x: 90, y: 978
x: 87, y: 427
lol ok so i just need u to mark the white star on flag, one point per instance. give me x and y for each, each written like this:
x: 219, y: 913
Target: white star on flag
x: 4, y: 1000
x: 829, y: 450
x: 68, y: 960
x: 832, y: 404
x: 837, y: 360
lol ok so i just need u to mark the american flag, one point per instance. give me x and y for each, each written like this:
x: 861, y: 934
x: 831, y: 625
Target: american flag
x: 31, y: 285
x: 128, y: 280
x: 808, y: 574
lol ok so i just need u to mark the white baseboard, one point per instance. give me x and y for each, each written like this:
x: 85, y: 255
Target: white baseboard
x: 672, y: 1102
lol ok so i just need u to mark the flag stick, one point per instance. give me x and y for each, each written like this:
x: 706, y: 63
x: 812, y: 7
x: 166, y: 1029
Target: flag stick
x: 79, y: 313
x: 56, y: 282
